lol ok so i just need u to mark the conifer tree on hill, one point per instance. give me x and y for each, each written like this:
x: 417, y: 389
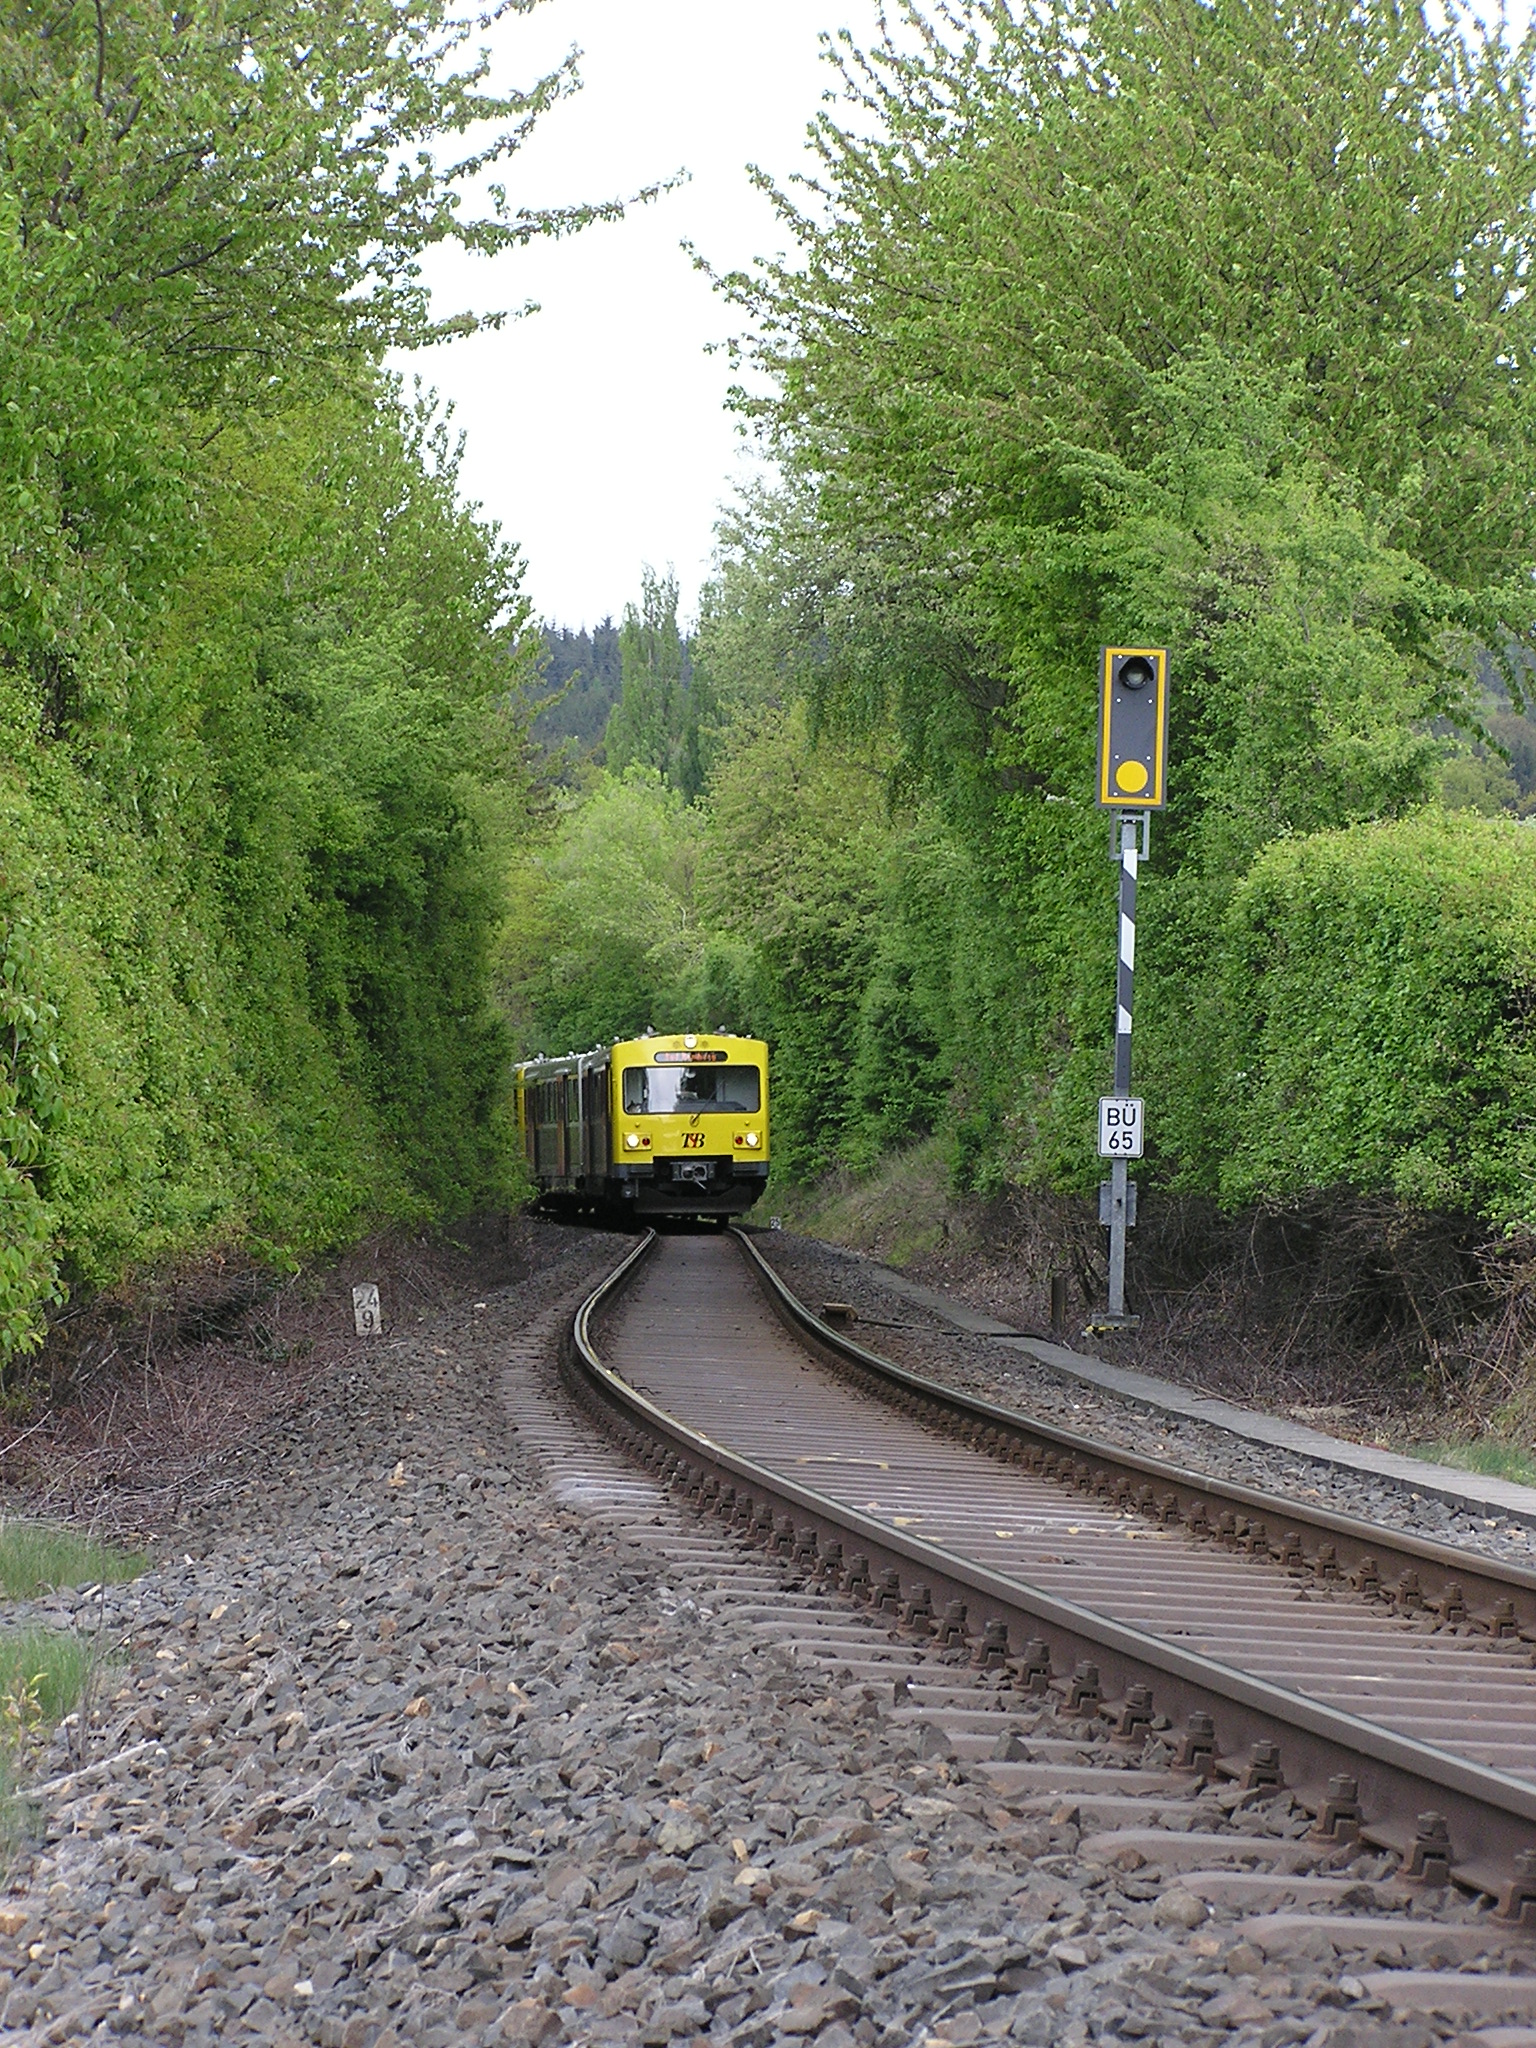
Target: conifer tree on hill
x: 579, y: 685
x: 659, y: 719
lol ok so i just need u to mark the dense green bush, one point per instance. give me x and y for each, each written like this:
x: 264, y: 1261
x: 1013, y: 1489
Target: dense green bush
x: 1380, y: 1018
x: 247, y: 991
x: 260, y: 777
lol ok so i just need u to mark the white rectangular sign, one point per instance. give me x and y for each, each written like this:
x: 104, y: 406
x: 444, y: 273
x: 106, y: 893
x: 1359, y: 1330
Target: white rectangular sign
x: 1120, y: 1126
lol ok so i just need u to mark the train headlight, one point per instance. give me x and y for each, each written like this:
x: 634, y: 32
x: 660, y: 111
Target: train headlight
x: 633, y: 1141
x: 752, y: 1138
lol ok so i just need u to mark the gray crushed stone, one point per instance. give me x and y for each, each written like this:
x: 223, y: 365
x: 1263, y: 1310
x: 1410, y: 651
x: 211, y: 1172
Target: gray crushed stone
x: 400, y: 1752
x: 919, y: 1339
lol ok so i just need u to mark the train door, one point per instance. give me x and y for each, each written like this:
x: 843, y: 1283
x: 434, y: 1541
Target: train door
x: 578, y: 1127
x: 544, y: 1153
x: 594, y: 1092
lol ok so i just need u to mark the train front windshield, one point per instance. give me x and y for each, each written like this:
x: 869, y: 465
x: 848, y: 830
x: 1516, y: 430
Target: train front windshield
x: 685, y: 1091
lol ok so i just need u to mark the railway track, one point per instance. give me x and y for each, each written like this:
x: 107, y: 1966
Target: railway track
x: 1256, y: 1643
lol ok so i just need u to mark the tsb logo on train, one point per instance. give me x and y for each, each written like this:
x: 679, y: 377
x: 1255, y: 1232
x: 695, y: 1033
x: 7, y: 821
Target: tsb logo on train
x: 658, y: 1126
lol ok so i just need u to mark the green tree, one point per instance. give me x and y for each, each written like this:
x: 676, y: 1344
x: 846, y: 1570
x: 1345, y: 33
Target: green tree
x: 663, y: 712
x: 239, y: 191
x: 255, y: 652
x: 204, y: 212
x: 791, y: 867
x: 602, y: 939
x: 1040, y: 208
x: 1197, y: 325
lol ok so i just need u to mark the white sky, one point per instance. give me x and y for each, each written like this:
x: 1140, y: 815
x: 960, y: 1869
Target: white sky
x: 596, y: 428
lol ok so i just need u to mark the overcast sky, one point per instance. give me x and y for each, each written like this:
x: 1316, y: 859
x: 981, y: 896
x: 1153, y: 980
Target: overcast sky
x: 596, y: 428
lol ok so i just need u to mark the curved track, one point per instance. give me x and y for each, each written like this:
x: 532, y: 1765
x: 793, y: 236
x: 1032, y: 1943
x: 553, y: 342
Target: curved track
x: 1402, y: 1705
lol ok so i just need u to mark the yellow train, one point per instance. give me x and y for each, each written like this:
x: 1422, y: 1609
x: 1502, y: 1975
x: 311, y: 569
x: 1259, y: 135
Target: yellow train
x: 657, y: 1126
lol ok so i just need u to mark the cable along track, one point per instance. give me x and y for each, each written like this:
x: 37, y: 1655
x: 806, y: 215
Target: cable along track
x: 1386, y: 1680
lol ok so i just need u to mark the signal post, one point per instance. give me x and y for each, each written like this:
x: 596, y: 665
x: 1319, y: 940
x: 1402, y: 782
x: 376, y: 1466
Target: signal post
x: 1133, y: 749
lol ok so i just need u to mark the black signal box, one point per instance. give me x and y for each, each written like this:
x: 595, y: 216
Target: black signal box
x: 1133, y: 728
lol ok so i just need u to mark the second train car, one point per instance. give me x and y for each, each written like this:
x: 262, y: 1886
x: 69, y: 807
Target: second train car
x: 656, y: 1126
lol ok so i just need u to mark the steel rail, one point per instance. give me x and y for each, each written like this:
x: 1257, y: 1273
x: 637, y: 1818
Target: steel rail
x: 1485, y: 1832
x: 1499, y: 1598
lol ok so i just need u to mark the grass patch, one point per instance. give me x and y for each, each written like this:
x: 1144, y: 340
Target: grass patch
x: 38, y: 1554
x: 46, y: 1674
x: 43, y: 1675
x: 1488, y: 1455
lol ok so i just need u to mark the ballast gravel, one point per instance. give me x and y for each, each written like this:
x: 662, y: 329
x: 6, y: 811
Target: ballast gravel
x: 397, y: 1751
x: 918, y: 1338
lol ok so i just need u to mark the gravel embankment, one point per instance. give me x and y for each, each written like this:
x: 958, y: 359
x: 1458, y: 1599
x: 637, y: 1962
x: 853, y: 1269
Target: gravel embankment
x: 403, y: 1753
x: 918, y: 1338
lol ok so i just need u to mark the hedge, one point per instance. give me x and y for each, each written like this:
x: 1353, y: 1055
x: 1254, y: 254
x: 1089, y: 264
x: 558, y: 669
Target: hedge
x: 1379, y: 991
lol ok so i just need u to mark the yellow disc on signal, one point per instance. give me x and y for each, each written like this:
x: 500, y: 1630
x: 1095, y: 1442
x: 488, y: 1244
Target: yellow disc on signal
x: 1131, y: 776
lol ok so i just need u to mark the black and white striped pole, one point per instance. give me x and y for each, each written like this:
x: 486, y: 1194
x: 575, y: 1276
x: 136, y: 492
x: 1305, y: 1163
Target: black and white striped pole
x: 1133, y: 745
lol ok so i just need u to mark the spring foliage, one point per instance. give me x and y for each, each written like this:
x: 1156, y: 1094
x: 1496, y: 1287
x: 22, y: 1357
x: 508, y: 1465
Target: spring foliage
x: 255, y: 655
x: 1161, y: 322
x: 1169, y: 322
x: 1382, y: 983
